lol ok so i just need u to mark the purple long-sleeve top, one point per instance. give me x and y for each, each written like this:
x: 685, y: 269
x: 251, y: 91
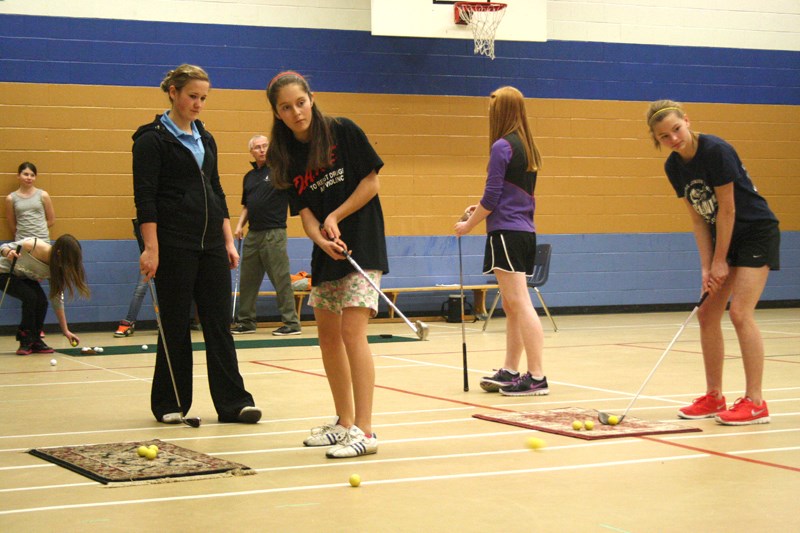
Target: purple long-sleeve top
x: 509, y: 188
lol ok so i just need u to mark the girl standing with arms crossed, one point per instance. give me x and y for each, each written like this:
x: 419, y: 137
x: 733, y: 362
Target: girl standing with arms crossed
x: 738, y: 241
x: 188, y: 248
x: 507, y: 206
x: 29, y: 210
x: 331, y: 172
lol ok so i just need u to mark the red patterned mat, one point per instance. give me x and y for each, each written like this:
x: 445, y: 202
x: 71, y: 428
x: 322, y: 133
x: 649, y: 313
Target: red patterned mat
x: 119, y: 462
x: 559, y: 421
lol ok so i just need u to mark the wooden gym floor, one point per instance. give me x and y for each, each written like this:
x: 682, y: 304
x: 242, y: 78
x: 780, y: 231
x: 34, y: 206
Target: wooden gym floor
x: 437, y: 467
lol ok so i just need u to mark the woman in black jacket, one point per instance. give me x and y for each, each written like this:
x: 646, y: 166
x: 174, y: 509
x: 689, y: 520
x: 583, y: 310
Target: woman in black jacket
x: 188, y: 249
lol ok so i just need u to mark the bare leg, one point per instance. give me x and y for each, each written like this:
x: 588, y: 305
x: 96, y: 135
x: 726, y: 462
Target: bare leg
x: 362, y: 366
x: 748, y: 284
x: 711, y: 340
x: 335, y: 361
x: 524, y: 329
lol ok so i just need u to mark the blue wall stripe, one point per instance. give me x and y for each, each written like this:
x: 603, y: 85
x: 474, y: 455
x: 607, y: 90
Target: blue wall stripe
x: 38, y: 49
x: 585, y: 271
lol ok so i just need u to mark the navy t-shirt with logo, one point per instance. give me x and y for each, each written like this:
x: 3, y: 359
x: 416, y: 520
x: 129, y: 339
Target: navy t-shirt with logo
x: 716, y: 163
x: 323, y: 190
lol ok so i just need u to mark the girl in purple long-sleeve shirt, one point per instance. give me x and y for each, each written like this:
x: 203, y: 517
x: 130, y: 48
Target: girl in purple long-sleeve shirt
x: 507, y: 206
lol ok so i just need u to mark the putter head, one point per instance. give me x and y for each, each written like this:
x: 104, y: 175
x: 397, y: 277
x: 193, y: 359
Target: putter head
x: 422, y: 330
x: 194, y: 422
x: 604, y: 419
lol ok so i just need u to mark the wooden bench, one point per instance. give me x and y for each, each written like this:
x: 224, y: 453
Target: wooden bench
x: 478, y: 295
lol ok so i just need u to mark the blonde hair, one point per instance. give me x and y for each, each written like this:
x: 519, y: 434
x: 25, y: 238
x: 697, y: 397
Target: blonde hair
x: 661, y: 109
x: 507, y: 115
x: 181, y: 75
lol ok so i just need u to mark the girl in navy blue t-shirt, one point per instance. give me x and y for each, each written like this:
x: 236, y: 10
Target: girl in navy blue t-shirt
x: 738, y: 241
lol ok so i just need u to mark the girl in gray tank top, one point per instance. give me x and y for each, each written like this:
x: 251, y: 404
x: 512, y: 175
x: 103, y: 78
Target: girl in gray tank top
x: 29, y: 209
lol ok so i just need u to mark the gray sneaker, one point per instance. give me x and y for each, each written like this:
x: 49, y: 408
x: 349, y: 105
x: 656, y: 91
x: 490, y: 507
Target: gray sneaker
x: 326, y: 434
x: 354, y: 444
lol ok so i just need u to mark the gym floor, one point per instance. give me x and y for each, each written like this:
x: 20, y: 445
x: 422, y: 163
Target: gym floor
x: 437, y: 467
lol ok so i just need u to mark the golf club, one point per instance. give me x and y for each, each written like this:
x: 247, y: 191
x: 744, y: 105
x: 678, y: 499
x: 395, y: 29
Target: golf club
x: 419, y: 327
x: 236, y: 283
x: 604, y: 417
x: 463, y: 331
x: 193, y: 422
x: 10, y: 273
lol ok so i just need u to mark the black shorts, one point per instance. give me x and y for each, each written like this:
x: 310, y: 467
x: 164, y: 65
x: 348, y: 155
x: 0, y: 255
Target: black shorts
x: 512, y: 251
x: 755, y: 245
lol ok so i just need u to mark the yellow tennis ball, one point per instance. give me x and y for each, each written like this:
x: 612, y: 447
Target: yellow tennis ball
x: 535, y: 443
x: 141, y: 451
x: 153, y: 447
x: 355, y: 480
x: 613, y: 420
x: 73, y: 342
x: 577, y: 425
x: 588, y: 424
x: 150, y: 453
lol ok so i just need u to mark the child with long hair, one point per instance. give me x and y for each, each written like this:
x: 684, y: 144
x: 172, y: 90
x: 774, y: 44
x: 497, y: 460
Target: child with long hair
x: 29, y: 210
x: 331, y: 172
x: 508, y: 206
x: 738, y: 241
x: 37, y: 259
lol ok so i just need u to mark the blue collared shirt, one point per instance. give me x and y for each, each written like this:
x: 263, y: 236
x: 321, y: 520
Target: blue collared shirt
x: 193, y: 142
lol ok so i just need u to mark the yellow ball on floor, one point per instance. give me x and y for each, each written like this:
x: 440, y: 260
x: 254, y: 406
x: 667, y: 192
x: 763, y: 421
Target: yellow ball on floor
x: 153, y: 447
x: 577, y: 425
x: 535, y: 443
x: 355, y: 480
x: 588, y: 425
x: 141, y: 451
x: 613, y: 420
x: 150, y: 453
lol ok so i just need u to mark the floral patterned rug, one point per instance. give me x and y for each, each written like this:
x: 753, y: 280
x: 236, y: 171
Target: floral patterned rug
x: 559, y: 421
x: 120, y: 462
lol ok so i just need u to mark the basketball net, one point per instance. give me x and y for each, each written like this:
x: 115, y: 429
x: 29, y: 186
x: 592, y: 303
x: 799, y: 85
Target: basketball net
x: 483, y: 20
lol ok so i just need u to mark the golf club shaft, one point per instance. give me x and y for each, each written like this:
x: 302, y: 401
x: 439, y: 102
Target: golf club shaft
x: 236, y: 283
x: 157, y: 309
x: 10, y: 273
x: 463, y: 331
x: 664, y: 355
x: 374, y: 286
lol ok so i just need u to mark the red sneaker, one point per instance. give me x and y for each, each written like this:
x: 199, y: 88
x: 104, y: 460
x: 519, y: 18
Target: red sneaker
x: 706, y: 406
x: 744, y: 412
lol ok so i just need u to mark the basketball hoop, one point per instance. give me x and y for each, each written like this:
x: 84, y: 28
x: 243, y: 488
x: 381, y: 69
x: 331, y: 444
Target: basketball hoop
x: 483, y: 18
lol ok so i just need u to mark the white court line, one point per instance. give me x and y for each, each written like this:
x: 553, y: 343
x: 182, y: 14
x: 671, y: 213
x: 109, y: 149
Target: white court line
x: 391, y: 481
x: 610, y: 442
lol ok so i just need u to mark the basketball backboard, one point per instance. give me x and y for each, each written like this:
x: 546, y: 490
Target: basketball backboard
x: 524, y: 20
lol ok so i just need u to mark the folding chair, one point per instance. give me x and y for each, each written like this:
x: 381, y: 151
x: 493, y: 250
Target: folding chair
x: 541, y: 271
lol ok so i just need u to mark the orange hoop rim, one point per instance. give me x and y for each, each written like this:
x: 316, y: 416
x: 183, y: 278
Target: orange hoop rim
x: 481, y: 7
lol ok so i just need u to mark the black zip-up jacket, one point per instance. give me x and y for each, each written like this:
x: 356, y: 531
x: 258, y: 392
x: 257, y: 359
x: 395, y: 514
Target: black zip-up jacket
x: 187, y: 203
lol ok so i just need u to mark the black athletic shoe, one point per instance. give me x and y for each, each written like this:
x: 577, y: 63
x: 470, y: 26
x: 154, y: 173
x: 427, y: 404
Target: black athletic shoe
x: 240, y: 329
x: 287, y: 330
x: 501, y: 378
x: 526, y: 385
